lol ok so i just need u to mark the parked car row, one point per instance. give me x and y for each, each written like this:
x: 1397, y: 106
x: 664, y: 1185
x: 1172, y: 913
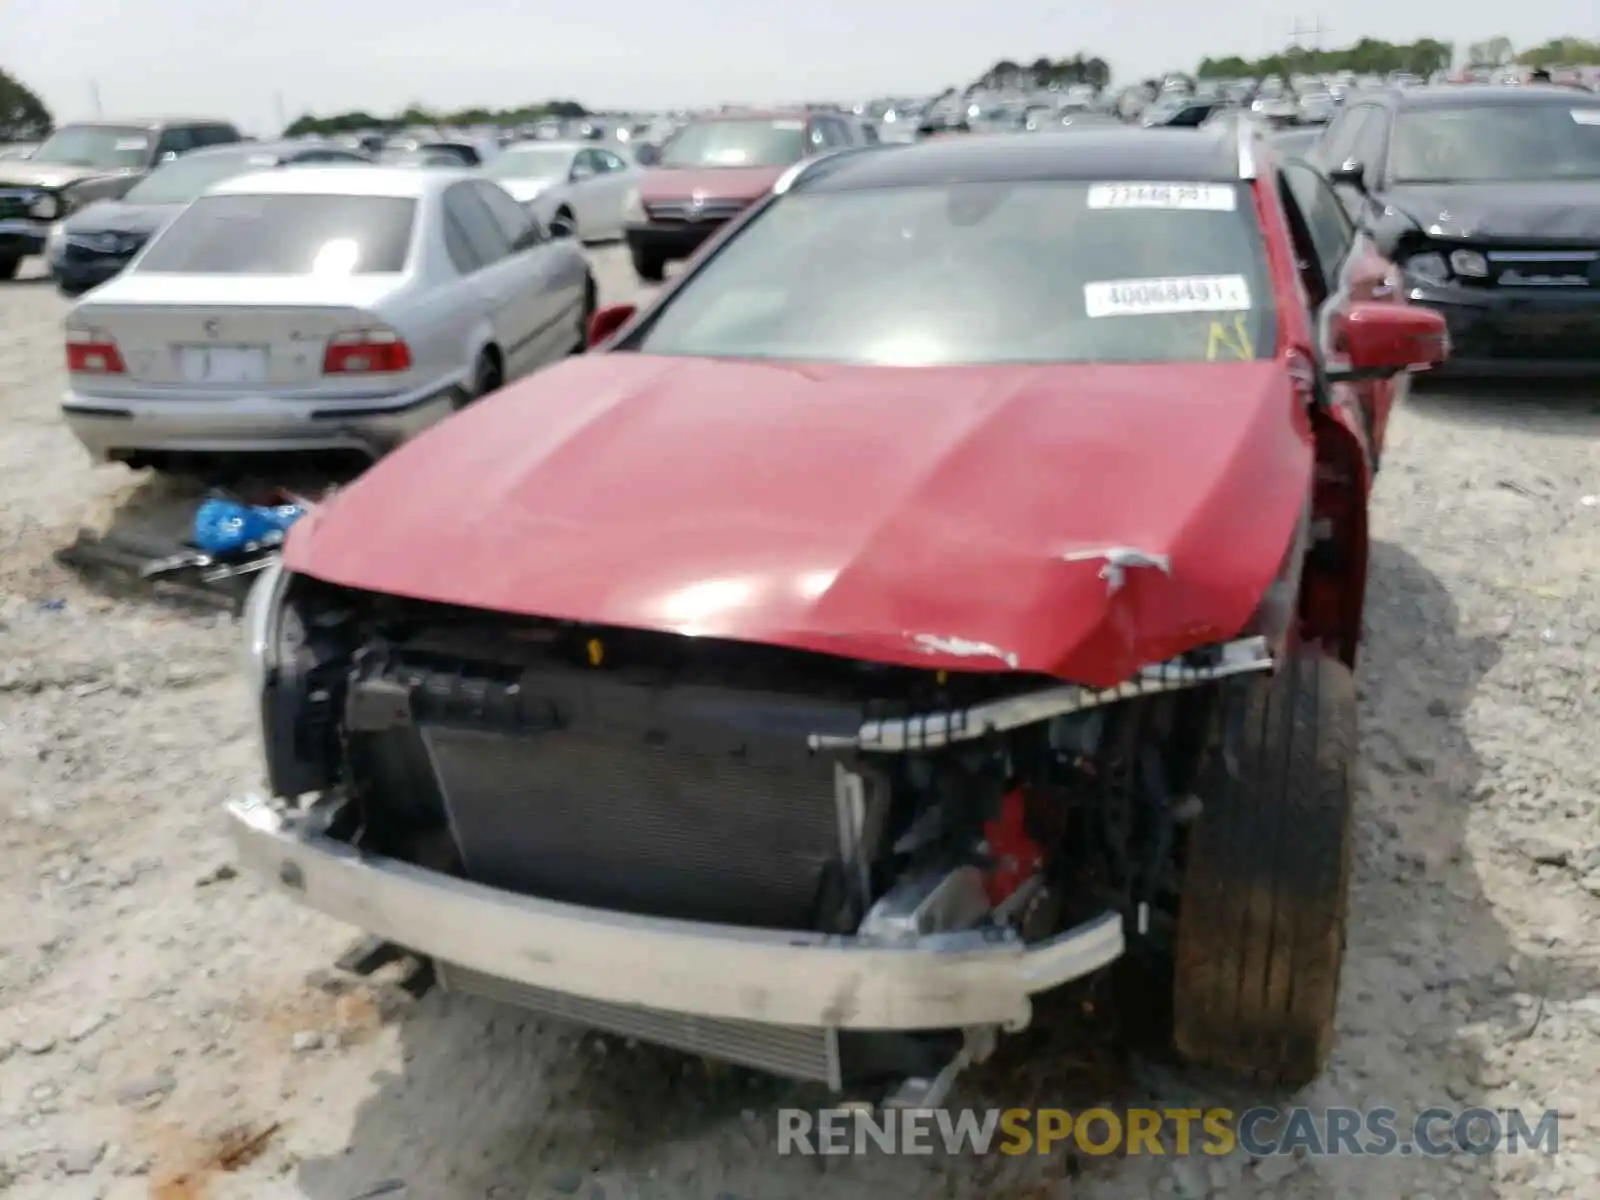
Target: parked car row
x: 1485, y: 199
x: 84, y: 162
x: 97, y: 241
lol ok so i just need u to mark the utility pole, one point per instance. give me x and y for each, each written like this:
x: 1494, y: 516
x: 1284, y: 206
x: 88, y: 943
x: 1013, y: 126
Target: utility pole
x: 94, y: 98
x: 283, y: 116
x: 1316, y: 31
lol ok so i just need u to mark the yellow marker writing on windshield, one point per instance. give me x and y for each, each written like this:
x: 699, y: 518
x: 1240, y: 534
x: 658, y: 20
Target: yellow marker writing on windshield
x: 1231, y: 342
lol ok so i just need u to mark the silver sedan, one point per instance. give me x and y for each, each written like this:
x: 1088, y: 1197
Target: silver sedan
x: 575, y: 187
x: 328, y: 308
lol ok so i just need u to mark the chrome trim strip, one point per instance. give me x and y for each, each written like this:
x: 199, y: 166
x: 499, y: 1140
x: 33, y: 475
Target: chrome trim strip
x: 928, y: 731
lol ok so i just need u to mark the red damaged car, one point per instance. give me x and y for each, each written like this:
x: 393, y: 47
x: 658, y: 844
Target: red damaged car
x: 713, y: 169
x: 948, y: 590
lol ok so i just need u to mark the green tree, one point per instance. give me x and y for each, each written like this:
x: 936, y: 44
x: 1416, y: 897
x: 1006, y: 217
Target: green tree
x: 1080, y: 68
x: 417, y: 114
x: 1492, y: 52
x: 23, y: 116
x: 1369, y: 56
x: 1562, y: 51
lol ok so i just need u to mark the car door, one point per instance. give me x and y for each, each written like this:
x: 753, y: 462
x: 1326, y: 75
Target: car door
x: 494, y: 275
x: 547, y: 277
x: 617, y: 178
x: 1351, y: 271
x: 586, y: 191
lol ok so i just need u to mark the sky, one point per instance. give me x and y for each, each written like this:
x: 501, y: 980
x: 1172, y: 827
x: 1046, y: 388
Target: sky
x: 245, y: 61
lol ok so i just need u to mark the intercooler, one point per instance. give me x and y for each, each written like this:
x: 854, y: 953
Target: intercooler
x: 802, y: 1053
x: 696, y: 803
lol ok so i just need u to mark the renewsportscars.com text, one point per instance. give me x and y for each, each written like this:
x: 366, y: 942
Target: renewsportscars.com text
x: 1260, y: 1132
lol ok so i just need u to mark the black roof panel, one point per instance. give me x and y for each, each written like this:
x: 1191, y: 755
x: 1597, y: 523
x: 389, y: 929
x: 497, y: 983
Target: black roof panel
x: 1199, y: 155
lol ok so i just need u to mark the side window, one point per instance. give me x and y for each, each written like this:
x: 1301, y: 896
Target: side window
x: 587, y: 162
x: 222, y: 135
x: 456, y: 244
x: 1372, y: 140
x: 175, y: 141
x: 817, y: 139
x: 489, y: 244
x: 1341, y: 145
x: 513, y: 219
x: 609, y: 162
x: 1326, y: 221
x: 1318, y: 151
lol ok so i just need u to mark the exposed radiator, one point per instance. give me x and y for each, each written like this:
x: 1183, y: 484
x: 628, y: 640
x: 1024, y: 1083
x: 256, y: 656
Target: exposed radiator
x: 802, y: 1053
x: 610, y: 821
x: 697, y: 803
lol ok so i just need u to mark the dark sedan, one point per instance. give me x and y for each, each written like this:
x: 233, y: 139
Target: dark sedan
x: 1489, y: 199
x: 95, y: 243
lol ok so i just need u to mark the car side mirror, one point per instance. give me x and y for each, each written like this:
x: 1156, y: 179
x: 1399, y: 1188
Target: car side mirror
x: 1380, y: 340
x: 1351, y: 173
x: 579, y: 173
x: 608, y: 320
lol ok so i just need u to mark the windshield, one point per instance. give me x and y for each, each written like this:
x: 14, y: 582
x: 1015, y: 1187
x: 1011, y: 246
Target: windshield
x: 531, y: 162
x: 181, y: 181
x: 421, y: 158
x: 1510, y: 143
x: 972, y: 273
x: 285, y: 235
x: 107, y: 147
x: 740, y: 143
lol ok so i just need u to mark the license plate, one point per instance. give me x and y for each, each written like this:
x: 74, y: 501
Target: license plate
x: 223, y: 364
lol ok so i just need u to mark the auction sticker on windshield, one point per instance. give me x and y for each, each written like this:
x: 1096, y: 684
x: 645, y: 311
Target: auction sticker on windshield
x: 1154, y: 297
x: 1194, y: 197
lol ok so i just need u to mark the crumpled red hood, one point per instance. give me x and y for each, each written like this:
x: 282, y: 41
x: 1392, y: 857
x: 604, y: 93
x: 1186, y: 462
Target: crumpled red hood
x: 928, y: 517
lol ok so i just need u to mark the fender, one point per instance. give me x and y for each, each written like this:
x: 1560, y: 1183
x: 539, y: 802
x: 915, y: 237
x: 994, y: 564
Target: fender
x: 1333, y: 592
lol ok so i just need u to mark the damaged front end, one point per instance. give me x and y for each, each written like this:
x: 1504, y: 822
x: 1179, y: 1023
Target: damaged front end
x: 831, y: 869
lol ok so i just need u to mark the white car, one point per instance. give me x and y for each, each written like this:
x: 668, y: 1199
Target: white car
x: 319, y: 308
x: 574, y: 188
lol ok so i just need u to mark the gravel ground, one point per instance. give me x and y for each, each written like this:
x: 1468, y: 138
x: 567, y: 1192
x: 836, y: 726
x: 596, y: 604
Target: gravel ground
x: 164, y: 1031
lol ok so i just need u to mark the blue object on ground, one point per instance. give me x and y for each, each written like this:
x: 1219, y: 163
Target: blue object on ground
x: 227, y: 527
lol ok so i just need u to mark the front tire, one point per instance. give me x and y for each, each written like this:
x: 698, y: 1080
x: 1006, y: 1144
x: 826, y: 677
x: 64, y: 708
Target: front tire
x: 650, y: 268
x: 591, y: 302
x: 9, y: 267
x: 564, y: 224
x: 1261, y: 922
x: 487, y: 376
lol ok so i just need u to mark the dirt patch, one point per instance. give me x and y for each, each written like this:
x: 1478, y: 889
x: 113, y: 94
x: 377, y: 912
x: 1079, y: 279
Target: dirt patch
x: 189, y: 1171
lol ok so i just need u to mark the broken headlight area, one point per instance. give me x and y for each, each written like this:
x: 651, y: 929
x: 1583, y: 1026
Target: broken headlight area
x: 738, y: 785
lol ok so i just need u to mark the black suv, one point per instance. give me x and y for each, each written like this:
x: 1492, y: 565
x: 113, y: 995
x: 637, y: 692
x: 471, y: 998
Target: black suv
x: 83, y: 162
